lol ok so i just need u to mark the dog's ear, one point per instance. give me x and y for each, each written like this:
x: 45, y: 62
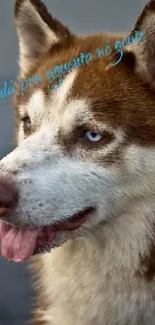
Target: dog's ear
x: 37, y: 32
x: 142, y: 53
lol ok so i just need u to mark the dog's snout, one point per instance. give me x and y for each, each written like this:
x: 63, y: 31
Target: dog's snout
x: 8, y: 197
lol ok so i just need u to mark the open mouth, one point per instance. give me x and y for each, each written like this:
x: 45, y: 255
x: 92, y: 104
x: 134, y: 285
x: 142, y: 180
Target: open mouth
x: 19, y: 243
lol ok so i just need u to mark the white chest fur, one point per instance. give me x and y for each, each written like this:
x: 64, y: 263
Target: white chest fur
x: 84, y: 285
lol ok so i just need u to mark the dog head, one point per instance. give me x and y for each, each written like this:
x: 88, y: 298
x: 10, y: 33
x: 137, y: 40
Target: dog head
x: 85, y: 137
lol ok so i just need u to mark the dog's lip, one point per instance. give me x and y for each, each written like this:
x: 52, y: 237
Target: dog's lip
x: 46, y: 236
x: 70, y: 224
x: 74, y: 221
x: 19, y: 243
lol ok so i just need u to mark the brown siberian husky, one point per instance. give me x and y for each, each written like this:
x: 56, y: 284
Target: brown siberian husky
x: 80, y: 186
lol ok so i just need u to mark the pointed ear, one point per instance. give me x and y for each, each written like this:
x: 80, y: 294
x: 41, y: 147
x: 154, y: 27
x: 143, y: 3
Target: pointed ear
x: 143, y: 51
x: 37, y: 31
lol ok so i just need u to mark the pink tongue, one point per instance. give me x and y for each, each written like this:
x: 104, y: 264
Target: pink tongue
x: 18, y: 244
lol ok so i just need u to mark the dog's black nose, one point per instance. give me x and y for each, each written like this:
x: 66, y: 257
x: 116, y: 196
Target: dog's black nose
x: 8, y: 197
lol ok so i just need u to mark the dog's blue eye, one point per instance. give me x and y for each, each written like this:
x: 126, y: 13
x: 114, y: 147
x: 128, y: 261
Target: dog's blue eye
x: 92, y: 136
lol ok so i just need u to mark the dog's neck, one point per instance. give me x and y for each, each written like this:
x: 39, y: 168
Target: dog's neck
x: 114, y: 256
x: 128, y: 240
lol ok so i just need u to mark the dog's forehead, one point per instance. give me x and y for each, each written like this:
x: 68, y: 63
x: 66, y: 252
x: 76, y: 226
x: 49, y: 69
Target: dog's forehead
x: 82, y: 92
x: 78, y: 84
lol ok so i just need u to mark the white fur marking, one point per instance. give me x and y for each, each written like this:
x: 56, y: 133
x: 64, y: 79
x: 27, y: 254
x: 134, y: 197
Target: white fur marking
x: 36, y: 105
x: 65, y: 88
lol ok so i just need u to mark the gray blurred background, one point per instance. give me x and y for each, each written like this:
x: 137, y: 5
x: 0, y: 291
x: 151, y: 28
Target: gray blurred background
x: 82, y: 16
